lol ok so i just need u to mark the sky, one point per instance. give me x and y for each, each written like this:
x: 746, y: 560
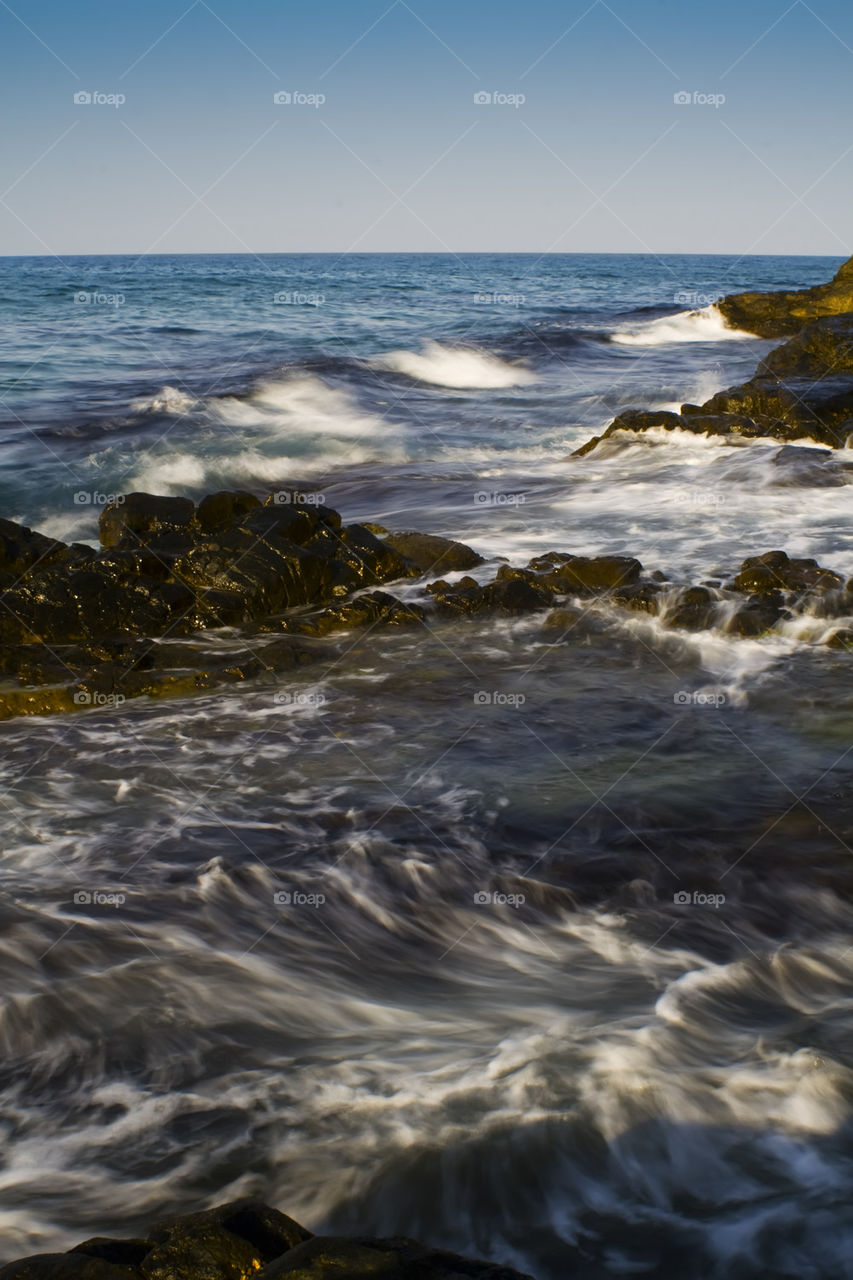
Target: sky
x: 665, y: 126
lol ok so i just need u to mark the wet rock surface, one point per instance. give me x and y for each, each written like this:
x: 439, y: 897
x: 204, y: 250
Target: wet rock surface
x: 182, y: 600
x: 803, y: 390
x: 776, y: 315
x: 248, y: 1238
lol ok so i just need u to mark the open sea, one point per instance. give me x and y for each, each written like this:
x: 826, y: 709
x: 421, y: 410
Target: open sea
x: 535, y: 948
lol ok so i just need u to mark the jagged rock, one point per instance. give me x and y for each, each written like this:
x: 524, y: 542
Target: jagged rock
x: 432, y: 554
x: 512, y: 594
x: 23, y: 549
x: 140, y: 517
x: 247, y: 1239
x: 777, y: 314
x: 224, y: 510
x: 774, y: 571
x: 372, y: 609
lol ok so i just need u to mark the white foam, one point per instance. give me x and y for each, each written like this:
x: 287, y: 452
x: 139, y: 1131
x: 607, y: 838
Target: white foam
x: 461, y: 367
x: 705, y: 325
x: 167, y: 400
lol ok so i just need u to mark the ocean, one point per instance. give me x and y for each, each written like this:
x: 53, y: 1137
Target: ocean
x: 535, y: 948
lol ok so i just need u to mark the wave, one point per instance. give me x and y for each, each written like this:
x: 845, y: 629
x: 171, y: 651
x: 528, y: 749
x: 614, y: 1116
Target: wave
x: 462, y: 367
x: 166, y: 400
x: 704, y: 325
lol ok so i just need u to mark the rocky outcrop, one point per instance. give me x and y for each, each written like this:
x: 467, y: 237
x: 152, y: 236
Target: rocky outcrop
x: 802, y: 391
x: 249, y: 1239
x: 779, y: 314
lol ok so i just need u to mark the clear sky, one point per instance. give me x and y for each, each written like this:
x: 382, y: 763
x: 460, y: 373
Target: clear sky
x: 599, y: 156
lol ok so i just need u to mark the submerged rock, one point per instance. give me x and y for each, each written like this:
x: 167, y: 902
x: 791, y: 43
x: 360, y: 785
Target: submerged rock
x: 778, y: 314
x: 249, y: 1239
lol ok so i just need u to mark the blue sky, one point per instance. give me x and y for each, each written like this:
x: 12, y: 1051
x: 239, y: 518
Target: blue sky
x: 400, y: 156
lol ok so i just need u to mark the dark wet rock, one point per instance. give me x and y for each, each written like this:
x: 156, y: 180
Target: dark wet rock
x: 374, y: 608
x: 141, y: 517
x: 692, y: 609
x: 22, y: 550
x: 841, y: 639
x: 589, y: 575
x: 801, y: 391
x: 244, y: 1239
x: 800, y: 466
x: 643, y: 597
x: 774, y: 571
x: 220, y: 511
x: 758, y: 616
x: 513, y: 592
x: 432, y: 554
x: 778, y: 314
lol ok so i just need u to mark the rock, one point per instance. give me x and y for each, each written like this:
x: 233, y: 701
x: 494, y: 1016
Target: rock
x: 644, y: 597
x: 247, y: 1239
x: 778, y: 314
x: 141, y: 517
x: 432, y: 554
x: 511, y: 593
x: 841, y: 639
x: 590, y: 575
x: 774, y: 571
x: 802, y: 391
x: 220, y: 511
x: 801, y: 467
x: 693, y: 609
x: 23, y: 549
x: 374, y: 608
x: 758, y: 616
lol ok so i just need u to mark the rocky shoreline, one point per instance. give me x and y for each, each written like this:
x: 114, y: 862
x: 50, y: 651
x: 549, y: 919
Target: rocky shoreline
x: 247, y: 1238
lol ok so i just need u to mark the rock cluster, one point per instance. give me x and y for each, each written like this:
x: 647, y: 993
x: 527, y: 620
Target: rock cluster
x: 779, y: 314
x: 802, y: 390
x: 246, y: 1239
